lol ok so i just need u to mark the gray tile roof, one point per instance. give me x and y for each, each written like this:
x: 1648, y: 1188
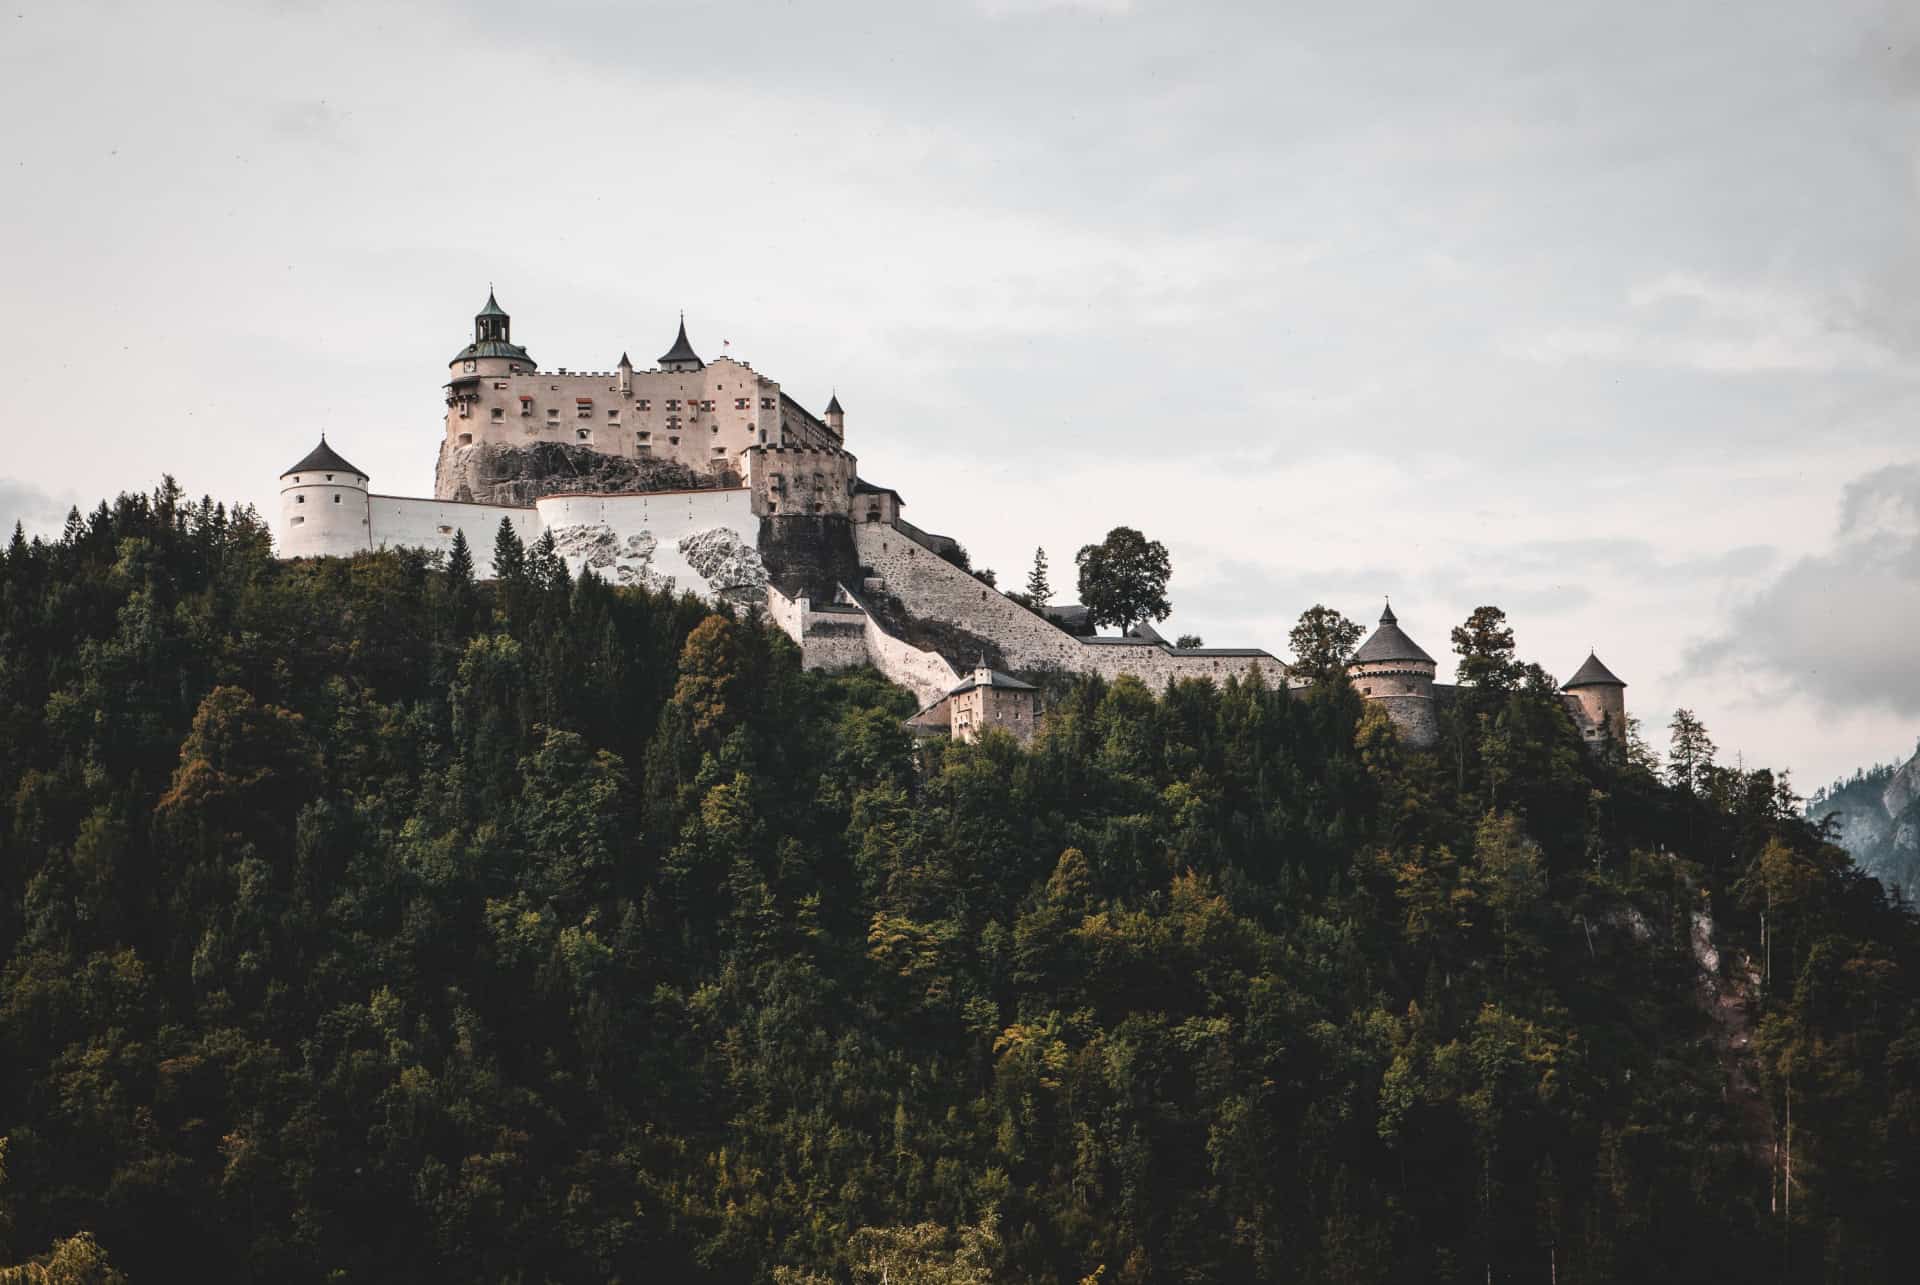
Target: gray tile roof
x: 323, y: 459
x: 1390, y: 643
x: 1591, y: 674
x: 682, y: 350
x: 494, y: 348
x: 995, y: 679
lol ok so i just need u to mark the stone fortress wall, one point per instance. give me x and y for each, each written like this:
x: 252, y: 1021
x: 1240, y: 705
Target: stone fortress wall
x: 705, y: 477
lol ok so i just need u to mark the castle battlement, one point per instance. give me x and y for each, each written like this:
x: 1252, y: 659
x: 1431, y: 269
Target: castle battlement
x: 601, y: 460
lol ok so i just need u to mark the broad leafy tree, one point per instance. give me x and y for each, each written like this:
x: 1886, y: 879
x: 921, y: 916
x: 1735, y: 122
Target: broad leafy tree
x: 1123, y: 579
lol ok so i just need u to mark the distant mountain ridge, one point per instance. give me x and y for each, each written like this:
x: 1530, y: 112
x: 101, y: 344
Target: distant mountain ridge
x: 1877, y: 820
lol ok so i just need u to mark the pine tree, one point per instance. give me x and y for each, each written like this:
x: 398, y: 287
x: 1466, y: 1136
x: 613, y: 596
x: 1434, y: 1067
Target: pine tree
x: 1037, y: 587
x: 509, y: 555
x: 460, y: 560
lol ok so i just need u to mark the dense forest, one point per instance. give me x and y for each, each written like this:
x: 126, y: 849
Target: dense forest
x: 364, y: 923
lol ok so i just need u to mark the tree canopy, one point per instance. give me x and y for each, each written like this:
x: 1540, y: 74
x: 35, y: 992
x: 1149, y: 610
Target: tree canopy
x: 577, y: 934
x: 1123, y: 579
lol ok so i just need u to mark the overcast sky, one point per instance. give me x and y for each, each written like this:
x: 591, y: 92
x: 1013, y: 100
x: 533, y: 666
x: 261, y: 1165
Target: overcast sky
x: 1606, y: 313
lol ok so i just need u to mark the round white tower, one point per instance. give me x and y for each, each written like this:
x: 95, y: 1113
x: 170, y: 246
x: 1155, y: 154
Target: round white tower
x: 323, y: 507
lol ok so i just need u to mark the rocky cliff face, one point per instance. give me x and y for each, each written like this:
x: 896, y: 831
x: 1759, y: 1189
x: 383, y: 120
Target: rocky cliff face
x: 519, y: 475
x: 1876, y: 818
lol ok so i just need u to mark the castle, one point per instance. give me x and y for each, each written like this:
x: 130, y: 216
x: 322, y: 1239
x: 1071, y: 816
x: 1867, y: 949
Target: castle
x: 705, y: 476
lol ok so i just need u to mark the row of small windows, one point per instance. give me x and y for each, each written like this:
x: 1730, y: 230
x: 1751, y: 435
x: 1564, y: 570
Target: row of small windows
x: 301, y: 499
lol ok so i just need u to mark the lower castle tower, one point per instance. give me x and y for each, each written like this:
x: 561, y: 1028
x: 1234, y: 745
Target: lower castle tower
x: 1395, y: 671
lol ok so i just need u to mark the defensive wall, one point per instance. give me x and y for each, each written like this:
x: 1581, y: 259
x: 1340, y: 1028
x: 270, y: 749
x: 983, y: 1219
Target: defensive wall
x: 932, y: 588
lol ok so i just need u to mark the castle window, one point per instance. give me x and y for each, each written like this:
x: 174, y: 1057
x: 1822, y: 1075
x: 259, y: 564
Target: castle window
x: 583, y: 434
x: 329, y: 477
x: 719, y: 450
x: 466, y: 439
x: 739, y: 403
x: 716, y: 428
x: 500, y: 383
x: 553, y: 413
x: 336, y: 499
x: 499, y: 412
x: 673, y: 403
x: 706, y: 405
x: 673, y: 441
x: 643, y: 436
x: 586, y: 412
x: 296, y: 521
x: 766, y: 403
x: 613, y: 414
x: 299, y: 499
x: 644, y: 404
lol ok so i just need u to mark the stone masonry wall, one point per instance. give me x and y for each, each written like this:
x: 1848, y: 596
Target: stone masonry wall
x: 933, y: 588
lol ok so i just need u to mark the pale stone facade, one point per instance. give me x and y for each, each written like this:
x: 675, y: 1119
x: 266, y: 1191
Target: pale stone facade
x: 774, y: 494
x: 702, y: 415
x: 986, y: 699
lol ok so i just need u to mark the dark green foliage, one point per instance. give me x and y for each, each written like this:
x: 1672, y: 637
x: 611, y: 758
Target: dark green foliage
x: 1123, y: 579
x: 361, y: 922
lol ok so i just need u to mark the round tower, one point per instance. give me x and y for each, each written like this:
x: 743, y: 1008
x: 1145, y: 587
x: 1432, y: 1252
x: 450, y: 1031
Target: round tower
x: 323, y: 507
x: 1598, y: 702
x: 1395, y: 671
x: 491, y: 355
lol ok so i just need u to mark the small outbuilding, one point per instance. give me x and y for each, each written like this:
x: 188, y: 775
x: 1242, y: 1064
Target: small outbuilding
x: 988, y: 698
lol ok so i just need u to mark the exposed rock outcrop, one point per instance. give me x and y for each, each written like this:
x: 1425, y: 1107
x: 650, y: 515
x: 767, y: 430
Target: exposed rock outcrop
x: 596, y: 547
x: 727, y: 563
x: 519, y: 475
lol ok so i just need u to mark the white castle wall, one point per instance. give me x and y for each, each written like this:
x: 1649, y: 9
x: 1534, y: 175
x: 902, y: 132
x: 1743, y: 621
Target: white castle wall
x: 400, y: 522
x: 668, y: 518
x: 924, y: 673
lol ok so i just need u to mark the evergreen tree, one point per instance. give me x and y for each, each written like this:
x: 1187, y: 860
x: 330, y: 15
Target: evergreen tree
x: 1485, y: 646
x: 509, y: 554
x: 1039, y: 592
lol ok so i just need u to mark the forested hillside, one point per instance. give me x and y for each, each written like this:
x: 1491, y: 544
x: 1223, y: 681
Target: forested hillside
x: 362, y: 923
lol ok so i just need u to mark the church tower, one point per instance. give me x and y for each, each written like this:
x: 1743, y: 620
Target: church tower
x: 1396, y: 671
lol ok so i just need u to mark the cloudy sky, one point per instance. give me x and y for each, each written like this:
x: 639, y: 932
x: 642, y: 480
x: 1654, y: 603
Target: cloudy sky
x: 1607, y: 313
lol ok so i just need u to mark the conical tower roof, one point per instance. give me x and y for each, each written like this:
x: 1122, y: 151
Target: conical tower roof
x: 1389, y: 642
x: 1591, y: 674
x: 493, y: 308
x: 682, y: 350
x: 323, y: 459
x: 833, y: 405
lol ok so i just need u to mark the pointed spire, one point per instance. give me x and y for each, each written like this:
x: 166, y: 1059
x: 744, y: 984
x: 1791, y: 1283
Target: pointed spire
x: 493, y: 308
x: 681, y: 356
x: 833, y: 404
x: 625, y: 364
x: 1386, y: 616
x: 1592, y: 674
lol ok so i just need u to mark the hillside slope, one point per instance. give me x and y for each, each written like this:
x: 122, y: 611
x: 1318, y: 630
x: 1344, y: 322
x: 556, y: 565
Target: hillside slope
x: 358, y: 922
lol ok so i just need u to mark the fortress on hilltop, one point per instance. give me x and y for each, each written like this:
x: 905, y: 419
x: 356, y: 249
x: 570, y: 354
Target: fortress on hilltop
x: 705, y: 476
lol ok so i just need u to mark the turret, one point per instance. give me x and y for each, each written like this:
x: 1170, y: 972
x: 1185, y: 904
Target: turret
x: 625, y: 369
x: 1598, y: 702
x: 492, y: 351
x: 836, y: 418
x: 1396, y: 671
x: 681, y: 356
x: 323, y: 507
